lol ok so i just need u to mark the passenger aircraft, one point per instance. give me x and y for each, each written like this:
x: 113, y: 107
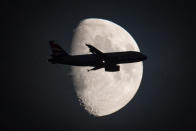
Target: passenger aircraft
x: 97, y: 59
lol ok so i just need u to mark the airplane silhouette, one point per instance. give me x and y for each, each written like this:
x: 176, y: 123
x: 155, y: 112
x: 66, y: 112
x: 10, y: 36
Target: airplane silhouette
x: 97, y: 59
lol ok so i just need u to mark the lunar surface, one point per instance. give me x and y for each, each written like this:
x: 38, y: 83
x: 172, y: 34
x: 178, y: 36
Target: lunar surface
x: 103, y: 93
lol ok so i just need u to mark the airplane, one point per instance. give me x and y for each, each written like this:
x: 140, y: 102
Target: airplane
x: 110, y: 61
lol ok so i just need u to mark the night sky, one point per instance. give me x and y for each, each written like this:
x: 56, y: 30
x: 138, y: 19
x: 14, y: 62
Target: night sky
x: 37, y: 95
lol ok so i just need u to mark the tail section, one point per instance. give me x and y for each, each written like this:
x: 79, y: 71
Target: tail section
x: 57, y: 53
x: 56, y: 49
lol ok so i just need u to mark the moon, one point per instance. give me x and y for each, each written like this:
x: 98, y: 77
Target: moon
x: 102, y: 93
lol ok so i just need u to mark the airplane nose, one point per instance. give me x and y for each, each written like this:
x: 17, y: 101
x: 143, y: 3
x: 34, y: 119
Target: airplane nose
x: 144, y: 57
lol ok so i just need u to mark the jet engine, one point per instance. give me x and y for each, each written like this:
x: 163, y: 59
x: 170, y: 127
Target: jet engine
x: 112, y: 68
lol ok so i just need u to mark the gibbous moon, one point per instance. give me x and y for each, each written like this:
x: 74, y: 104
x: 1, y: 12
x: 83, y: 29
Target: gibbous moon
x: 103, y: 93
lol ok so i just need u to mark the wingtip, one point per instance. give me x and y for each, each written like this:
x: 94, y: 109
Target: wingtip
x: 87, y: 44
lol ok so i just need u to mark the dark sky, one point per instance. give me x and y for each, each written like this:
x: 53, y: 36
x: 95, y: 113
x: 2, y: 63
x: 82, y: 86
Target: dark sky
x: 37, y: 95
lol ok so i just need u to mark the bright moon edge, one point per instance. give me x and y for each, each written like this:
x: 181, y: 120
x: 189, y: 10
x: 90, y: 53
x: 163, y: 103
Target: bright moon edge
x: 87, y: 30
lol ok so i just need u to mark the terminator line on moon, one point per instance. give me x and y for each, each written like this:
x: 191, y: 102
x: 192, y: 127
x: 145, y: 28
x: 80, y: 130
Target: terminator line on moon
x: 102, y: 92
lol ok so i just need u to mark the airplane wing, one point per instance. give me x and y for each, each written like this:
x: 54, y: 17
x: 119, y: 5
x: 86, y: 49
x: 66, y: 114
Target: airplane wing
x: 95, y: 68
x: 97, y: 52
x: 105, y: 60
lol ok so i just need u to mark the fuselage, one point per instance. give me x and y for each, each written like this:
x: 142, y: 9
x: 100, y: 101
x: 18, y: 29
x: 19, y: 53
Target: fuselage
x: 93, y: 60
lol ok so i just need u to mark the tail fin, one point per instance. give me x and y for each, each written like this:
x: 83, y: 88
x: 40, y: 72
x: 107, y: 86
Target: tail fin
x: 56, y: 49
